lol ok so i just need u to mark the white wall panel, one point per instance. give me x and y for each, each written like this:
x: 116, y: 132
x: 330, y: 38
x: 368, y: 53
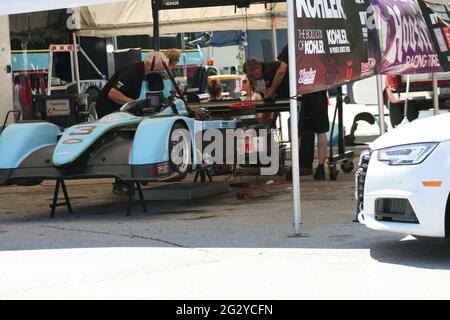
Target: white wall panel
x: 6, y: 92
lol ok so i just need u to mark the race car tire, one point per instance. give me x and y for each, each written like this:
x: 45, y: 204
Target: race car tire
x: 180, y: 152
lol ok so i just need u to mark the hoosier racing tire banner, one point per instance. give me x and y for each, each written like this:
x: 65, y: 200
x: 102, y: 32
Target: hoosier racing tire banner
x: 409, y: 48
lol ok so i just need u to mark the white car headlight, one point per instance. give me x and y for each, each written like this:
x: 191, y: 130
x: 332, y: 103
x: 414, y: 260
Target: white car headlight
x: 409, y: 154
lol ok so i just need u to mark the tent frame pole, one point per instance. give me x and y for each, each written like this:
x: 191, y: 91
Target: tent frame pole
x: 155, y: 11
x: 381, y: 104
x: 76, y: 67
x: 435, y: 94
x: 274, y: 37
x: 157, y: 5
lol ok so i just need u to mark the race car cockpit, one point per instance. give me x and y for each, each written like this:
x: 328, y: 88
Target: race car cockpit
x: 159, y: 98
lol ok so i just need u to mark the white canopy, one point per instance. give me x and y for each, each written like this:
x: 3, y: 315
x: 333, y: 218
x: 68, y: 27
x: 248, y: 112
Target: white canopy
x: 22, y: 6
x: 135, y: 17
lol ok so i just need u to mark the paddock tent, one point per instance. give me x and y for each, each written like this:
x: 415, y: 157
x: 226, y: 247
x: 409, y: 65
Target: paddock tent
x: 8, y: 7
x: 134, y: 17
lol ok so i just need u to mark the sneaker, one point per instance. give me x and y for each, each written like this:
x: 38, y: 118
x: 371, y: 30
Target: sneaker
x: 320, y: 173
x: 120, y: 188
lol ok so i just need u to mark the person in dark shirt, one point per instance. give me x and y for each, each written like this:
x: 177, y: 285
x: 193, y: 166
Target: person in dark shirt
x: 313, y: 120
x: 313, y: 114
x: 274, y: 73
x: 125, y: 85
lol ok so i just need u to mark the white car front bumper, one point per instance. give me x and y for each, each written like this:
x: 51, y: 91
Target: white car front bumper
x: 393, y: 198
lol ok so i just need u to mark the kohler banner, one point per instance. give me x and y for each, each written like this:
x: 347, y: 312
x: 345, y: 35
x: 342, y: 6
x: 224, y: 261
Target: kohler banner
x: 437, y: 17
x: 409, y: 47
x: 332, y: 43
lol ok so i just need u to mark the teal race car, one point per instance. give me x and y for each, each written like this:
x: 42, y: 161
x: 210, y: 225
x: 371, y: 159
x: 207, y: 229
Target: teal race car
x: 134, y: 144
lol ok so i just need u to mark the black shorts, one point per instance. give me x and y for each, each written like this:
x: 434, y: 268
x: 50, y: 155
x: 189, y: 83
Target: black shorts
x: 314, y: 113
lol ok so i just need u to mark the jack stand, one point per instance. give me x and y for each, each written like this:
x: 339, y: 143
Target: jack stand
x: 55, y: 203
x: 203, y: 172
x: 131, y: 193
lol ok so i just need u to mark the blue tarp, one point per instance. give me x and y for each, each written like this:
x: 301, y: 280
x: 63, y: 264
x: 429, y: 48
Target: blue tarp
x: 224, y: 38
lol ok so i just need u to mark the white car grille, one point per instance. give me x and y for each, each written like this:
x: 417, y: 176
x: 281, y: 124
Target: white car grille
x: 360, y: 180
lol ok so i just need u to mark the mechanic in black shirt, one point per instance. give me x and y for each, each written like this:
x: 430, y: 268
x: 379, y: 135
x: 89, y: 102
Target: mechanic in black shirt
x: 313, y: 114
x: 125, y: 85
x: 274, y: 73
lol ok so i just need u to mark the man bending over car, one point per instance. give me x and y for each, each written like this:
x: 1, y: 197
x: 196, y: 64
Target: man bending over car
x: 125, y: 85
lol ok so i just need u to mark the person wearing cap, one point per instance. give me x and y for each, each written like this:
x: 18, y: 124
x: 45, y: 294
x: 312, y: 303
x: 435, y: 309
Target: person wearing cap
x: 313, y: 114
x: 125, y: 85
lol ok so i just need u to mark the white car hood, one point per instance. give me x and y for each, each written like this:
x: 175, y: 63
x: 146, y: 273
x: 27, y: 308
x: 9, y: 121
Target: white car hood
x: 430, y: 129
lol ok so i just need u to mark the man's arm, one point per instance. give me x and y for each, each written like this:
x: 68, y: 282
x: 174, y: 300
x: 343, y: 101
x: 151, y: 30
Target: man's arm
x: 391, y: 96
x: 118, y: 97
x: 279, y: 75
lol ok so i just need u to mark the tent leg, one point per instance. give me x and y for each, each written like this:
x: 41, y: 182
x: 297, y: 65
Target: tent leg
x: 381, y: 104
x: 435, y: 94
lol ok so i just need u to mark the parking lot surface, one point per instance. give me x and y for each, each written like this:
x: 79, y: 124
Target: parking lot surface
x: 225, y: 246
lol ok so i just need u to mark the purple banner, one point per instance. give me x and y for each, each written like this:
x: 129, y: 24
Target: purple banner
x: 409, y: 47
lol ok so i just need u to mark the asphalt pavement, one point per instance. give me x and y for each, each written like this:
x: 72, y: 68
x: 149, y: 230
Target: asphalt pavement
x: 220, y: 247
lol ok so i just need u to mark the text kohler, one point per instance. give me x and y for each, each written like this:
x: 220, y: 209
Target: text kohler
x: 324, y: 9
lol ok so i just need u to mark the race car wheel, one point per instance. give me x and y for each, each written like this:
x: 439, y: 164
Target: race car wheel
x: 180, y: 152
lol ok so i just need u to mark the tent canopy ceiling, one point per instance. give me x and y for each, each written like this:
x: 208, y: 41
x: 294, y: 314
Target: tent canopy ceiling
x: 135, y: 17
x: 22, y: 6
x: 183, y: 4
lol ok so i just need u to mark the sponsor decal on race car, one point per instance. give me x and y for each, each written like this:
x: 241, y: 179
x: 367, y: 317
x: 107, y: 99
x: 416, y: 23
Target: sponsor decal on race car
x: 163, y: 168
x: 73, y: 141
x: 83, y: 130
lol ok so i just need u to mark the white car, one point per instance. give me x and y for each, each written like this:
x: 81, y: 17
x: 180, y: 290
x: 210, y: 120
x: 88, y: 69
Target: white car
x: 403, y: 180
